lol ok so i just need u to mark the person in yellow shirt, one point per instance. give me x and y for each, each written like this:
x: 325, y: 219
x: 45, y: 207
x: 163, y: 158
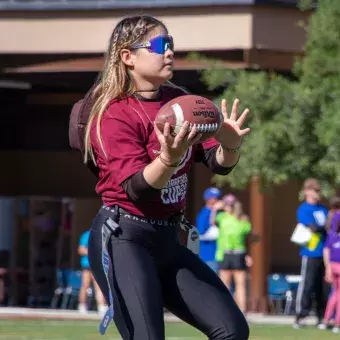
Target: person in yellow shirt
x: 232, y: 253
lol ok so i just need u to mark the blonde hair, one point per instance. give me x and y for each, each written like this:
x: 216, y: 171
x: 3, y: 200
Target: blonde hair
x: 238, y: 211
x: 115, y: 81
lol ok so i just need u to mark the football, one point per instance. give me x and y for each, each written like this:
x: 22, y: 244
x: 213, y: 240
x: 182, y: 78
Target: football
x: 197, y: 110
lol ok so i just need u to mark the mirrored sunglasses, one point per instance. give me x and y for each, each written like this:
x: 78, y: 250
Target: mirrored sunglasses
x: 158, y: 45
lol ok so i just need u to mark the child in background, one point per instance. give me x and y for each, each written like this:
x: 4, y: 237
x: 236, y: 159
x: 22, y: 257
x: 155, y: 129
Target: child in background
x: 87, y: 278
x: 332, y: 265
x: 232, y: 250
x: 208, y: 232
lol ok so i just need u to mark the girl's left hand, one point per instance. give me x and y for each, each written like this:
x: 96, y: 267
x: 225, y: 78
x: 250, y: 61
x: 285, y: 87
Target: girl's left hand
x: 231, y: 133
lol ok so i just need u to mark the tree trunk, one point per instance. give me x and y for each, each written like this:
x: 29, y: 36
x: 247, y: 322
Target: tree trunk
x: 260, y: 250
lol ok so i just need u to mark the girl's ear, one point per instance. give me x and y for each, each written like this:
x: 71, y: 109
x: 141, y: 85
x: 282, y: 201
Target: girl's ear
x: 127, y: 57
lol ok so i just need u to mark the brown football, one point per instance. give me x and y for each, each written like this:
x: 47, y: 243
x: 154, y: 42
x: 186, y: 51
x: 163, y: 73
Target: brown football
x: 197, y: 110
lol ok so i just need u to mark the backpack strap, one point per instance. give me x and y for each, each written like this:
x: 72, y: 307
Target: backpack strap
x: 79, y: 117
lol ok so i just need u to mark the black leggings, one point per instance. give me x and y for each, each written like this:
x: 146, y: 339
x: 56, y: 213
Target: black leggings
x: 150, y: 270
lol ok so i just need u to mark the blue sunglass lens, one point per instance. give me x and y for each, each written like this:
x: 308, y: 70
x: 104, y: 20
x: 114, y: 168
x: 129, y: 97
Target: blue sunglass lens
x: 160, y: 44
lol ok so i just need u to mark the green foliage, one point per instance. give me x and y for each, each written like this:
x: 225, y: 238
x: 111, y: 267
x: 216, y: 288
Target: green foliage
x: 278, y: 147
x: 295, y: 124
x: 305, y: 5
x: 320, y: 74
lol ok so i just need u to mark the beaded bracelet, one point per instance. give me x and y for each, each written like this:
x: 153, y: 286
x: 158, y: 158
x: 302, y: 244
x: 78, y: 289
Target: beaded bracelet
x: 231, y: 150
x: 173, y: 165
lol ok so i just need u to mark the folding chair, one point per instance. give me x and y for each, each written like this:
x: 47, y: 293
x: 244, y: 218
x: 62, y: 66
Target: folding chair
x: 62, y: 279
x: 278, y: 290
x: 72, y: 289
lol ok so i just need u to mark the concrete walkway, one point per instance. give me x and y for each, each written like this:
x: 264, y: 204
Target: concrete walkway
x: 12, y: 313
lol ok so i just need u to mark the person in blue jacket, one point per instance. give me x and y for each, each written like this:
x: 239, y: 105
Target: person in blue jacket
x: 208, y: 233
x: 313, y: 215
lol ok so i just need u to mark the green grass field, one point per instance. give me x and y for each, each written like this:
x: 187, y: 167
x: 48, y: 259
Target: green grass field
x: 69, y: 330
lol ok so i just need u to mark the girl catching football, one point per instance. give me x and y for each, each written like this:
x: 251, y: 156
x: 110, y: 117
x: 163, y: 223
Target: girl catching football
x: 134, y: 251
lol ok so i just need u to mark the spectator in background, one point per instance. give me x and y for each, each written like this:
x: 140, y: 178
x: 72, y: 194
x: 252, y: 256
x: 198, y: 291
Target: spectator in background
x: 333, y: 208
x: 232, y: 249
x: 208, y: 232
x: 87, y: 278
x: 225, y: 204
x: 331, y: 255
x: 313, y: 215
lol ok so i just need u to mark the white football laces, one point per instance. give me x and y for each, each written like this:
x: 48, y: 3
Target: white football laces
x: 204, y: 127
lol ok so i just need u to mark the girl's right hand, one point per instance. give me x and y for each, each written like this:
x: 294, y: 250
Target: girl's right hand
x: 173, y: 148
x: 219, y: 205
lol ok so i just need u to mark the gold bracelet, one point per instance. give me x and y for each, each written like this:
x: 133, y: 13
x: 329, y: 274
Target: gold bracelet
x: 231, y: 150
x: 173, y: 165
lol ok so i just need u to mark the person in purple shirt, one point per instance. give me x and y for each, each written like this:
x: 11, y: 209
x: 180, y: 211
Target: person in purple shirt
x: 332, y: 265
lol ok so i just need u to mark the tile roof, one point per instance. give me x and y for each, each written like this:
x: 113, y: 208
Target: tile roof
x: 126, y: 4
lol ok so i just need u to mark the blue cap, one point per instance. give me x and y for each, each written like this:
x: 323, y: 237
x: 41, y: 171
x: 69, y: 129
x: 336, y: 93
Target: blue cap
x: 211, y: 193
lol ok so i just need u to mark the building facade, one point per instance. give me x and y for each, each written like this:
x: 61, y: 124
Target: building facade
x: 51, y: 54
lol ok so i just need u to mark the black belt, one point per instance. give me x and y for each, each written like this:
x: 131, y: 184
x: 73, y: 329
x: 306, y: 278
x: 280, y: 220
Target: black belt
x: 171, y: 221
x: 109, y: 227
x: 235, y: 252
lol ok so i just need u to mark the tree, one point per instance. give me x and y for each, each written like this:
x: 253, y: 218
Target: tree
x: 319, y: 74
x: 295, y: 123
x: 282, y: 143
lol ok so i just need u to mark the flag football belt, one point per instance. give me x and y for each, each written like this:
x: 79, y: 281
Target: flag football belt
x: 171, y: 221
x: 109, y: 228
